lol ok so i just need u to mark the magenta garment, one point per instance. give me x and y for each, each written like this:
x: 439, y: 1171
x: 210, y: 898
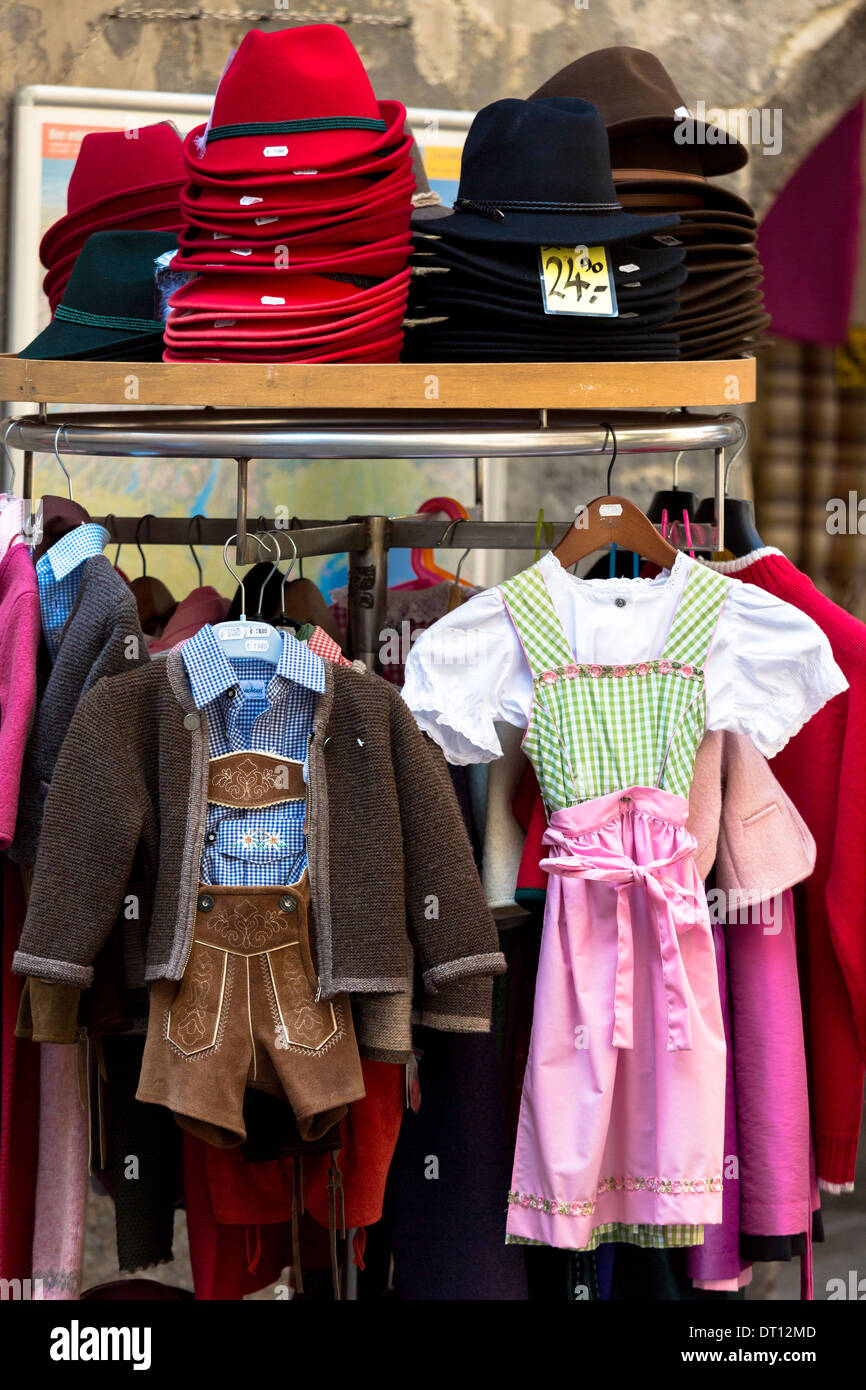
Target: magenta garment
x: 818, y: 208
x: 20, y: 627
x: 717, y: 1264
x: 622, y: 1113
x: 61, y: 1178
x: 770, y: 1070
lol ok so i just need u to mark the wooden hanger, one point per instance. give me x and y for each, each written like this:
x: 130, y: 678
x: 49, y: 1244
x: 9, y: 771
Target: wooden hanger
x: 611, y: 520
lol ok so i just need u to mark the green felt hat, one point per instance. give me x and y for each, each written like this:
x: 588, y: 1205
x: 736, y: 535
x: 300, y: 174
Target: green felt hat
x: 109, y: 304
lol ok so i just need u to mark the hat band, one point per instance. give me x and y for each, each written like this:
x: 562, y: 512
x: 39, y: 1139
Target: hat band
x: 108, y: 320
x: 299, y: 127
x: 488, y: 208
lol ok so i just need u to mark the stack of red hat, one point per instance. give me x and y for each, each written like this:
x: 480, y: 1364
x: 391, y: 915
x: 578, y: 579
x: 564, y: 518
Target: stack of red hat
x: 123, y: 180
x: 296, y: 210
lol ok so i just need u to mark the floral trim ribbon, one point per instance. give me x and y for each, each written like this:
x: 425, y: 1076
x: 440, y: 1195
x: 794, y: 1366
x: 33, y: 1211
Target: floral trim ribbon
x: 663, y: 1187
x: 636, y: 668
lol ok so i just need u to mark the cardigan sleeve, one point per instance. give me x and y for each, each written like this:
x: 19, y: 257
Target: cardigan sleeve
x: 448, y: 920
x: 93, y: 818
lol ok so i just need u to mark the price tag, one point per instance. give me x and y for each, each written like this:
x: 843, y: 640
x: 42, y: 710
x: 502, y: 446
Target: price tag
x: 576, y: 280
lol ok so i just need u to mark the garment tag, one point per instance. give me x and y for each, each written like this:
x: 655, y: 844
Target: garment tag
x: 272, y: 299
x: 254, y: 689
x: 248, y: 199
x: 263, y: 221
x: 275, y: 151
x: 575, y: 280
x: 668, y: 240
x: 224, y: 323
x: 629, y: 267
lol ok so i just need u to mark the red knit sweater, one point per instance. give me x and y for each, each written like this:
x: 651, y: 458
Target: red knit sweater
x: 823, y: 770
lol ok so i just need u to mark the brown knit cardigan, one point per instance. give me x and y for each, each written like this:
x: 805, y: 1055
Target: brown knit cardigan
x: 393, y: 881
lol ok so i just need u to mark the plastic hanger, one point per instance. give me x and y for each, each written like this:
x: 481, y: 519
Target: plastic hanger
x: 741, y: 533
x: 153, y: 599
x: 613, y: 521
x: 676, y: 503
x: 247, y: 638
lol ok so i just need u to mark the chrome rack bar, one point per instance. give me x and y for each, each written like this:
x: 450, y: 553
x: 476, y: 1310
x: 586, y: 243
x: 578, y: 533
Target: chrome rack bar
x: 138, y: 435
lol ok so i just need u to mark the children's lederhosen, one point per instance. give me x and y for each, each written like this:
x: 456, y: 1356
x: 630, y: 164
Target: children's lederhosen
x: 247, y: 1012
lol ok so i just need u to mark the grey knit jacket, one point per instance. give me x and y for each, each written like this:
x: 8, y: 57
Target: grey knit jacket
x: 394, y: 885
x: 102, y: 637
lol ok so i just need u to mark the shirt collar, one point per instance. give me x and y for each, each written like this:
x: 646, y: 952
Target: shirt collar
x: 72, y: 550
x: 211, y: 673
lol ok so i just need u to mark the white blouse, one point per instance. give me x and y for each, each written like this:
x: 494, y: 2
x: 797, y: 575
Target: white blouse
x: 768, y: 670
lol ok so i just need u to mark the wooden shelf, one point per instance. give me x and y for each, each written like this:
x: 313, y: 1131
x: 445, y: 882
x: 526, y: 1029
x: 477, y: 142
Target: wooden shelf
x: 382, y: 387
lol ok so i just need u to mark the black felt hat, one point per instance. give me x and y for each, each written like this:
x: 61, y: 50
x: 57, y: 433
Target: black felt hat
x: 539, y: 172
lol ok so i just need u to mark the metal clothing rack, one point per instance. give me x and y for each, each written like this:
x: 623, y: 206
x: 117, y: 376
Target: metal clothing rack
x: 246, y: 436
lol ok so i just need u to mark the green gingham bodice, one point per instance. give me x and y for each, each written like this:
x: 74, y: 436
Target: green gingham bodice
x: 593, y: 728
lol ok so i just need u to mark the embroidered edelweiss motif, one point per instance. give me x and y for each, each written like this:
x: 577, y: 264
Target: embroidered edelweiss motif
x: 620, y: 671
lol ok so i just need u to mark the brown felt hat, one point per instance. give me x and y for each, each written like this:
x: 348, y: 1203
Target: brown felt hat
x: 642, y: 109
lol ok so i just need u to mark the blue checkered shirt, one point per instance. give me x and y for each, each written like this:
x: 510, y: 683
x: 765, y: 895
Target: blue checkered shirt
x: 58, y: 575
x: 252, y: 708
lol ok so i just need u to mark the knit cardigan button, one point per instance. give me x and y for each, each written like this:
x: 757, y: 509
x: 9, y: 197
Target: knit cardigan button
x: 192, y: 721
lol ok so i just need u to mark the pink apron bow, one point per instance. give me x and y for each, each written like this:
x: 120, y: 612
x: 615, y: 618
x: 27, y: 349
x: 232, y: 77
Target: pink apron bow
x: 673, y: 909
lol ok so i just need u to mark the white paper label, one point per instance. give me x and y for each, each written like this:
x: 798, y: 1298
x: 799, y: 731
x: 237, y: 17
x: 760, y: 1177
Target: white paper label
x: 627, y: 269
x: 263, y: 221
x: 305, y: 171
x: 272, y: 299
x: 610, y: 509
x: 224, y: 323
x: 235, y: 252
x: 256, y: 644
x: 275, y: 151
x: 248, y: 199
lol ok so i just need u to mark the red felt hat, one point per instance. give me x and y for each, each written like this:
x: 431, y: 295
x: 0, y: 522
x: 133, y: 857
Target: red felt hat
x: 288, y: 196
x: 328, y: 339
x: 381, y: 259
x: 384, y: 350
x: 344, y: 225
x: 391, y: 220
x: 156, y: 218
x: 264, y: 295
x: 113, y: 212
x: 131, y: 168
x: 291, y: 318
x: 254, y: 212
x: 382, y: 161
x: 293, y: 98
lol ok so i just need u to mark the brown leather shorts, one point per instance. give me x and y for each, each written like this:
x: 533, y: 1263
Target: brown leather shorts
x: 246, y: 1014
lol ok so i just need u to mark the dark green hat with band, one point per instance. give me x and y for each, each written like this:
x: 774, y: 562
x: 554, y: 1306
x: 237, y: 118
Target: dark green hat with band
x: 109, y: 304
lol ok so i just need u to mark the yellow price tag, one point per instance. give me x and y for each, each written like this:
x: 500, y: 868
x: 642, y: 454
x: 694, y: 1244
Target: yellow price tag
x: 576, y: 280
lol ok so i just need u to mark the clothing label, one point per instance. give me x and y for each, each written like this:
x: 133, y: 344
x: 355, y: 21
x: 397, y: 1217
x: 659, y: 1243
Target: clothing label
x: 248, y: 198
x: 235, y: 252
x: 256, y: 644
x: 305, y: 171
x: 224, y: 323
x: 272, y: 299
x: 667, y: 240
x: 629, y: 267
x: 575, y: 280
x: 263, y: 221
x: 255, y: 690
x: 275, y: 151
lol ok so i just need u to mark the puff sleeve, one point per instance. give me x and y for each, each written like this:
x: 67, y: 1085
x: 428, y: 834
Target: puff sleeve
x: 769, y: 670
x: 466, y: 673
